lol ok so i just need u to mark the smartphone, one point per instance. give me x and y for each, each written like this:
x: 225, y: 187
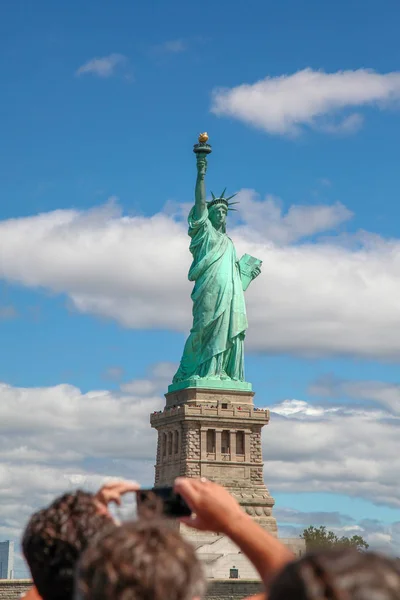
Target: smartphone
x: 161, y: 501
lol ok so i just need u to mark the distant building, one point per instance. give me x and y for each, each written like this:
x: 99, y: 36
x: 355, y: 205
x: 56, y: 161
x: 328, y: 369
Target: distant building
x: 6, y: 560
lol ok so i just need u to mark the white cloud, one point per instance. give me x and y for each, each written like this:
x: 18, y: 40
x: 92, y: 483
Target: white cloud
x: 104, y: 66
x: 158, y: 380
x: 289, y: 103
x: 266, y: 220
x: 384, y: 393
x: 93, y: 424
x: 311, y: 299
x: 350, y: 124
x: 337, y: 449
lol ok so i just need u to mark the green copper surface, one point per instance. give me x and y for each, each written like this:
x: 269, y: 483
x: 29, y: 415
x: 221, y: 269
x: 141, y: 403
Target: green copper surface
x: 213, y: 356
x: 211, y: 384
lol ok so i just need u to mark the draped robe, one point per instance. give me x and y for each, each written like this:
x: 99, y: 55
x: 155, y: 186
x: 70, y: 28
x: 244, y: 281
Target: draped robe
x: 214, y: 348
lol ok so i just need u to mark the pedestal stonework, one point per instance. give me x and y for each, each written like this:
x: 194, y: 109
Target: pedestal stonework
x: 215, y: 434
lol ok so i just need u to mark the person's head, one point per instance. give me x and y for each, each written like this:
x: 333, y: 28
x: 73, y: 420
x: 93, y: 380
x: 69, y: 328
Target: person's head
x: 338, y: 574
x: 54, y: 539
x: 217, y: 215
x: 138, y: 561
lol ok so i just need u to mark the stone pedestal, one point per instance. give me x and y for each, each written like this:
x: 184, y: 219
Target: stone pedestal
x: 215, y: 434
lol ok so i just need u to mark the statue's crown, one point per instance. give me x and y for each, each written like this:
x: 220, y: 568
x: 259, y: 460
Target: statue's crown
x: 222, y: 200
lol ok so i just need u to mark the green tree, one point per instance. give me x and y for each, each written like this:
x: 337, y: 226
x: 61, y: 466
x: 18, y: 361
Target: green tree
x: 320, y: 537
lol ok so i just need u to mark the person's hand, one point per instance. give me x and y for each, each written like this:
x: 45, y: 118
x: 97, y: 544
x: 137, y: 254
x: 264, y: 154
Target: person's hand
x: 201, y: 165
x: 213, y: 507
x: 216, y: 510
x: 112, y: 492
x: 255, y: 272
x: 31, y: 594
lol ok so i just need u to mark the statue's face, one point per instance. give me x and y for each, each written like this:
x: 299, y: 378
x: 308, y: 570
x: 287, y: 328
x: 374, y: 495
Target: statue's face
x: 217, y: 216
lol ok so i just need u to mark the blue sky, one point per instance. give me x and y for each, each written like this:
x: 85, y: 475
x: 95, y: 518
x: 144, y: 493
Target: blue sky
x: 100, y: 108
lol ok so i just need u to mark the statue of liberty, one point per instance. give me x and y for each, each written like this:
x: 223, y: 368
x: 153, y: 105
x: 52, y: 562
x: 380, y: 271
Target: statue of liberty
x: 214, y: 350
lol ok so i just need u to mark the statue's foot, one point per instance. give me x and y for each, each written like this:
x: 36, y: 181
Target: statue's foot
x: 224, y: 376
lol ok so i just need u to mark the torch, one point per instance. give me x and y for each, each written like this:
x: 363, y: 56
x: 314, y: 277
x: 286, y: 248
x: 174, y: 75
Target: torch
x: 201, y: 149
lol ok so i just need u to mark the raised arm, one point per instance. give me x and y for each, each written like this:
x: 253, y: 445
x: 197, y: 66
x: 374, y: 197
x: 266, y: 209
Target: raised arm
x: 216, y: 510
x: 200, y: 189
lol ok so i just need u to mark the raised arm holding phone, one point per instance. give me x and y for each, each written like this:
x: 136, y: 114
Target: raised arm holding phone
x: 214, y: 509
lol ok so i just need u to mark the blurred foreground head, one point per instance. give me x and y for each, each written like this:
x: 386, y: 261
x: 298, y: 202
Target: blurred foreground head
x: 54, y: 539
x: 142, y: 560
x: 338, y: 574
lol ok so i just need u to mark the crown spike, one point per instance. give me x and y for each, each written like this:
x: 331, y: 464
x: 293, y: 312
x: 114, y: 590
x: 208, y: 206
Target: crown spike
x: 222, y: 200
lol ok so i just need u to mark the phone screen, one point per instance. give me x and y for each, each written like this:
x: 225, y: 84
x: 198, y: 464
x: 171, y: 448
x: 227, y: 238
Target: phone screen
x: 162, y: 501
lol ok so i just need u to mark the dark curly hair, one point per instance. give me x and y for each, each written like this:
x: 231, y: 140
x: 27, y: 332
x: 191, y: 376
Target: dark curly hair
x: 54, y: 539
x: 145, y: 560
x: 338, y: 574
